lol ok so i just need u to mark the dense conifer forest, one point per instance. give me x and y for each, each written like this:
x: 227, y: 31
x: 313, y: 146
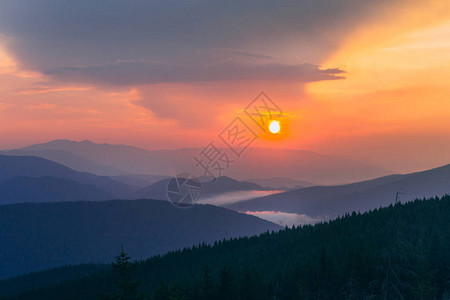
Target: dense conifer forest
x: 397, y: 252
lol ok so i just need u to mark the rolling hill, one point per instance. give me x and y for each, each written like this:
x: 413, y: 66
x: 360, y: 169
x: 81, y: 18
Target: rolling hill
x: 48, y: 189
x: 281, y: 183
x: 219, y: 186
x: 265, y: 162
x: 33, y: 179
x: 69, y: 159
x: 327, y: 202
x: 139, y: 180
x: 30, y: 166
x: 39, y: 236
x: 397, y: 252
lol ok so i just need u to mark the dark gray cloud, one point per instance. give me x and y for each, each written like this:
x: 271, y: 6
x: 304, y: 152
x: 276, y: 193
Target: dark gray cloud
x: 132, y: 73
x: 94, y: 38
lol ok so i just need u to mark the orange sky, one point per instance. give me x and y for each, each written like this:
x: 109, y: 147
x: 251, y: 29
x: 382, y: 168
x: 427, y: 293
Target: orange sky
x: 392, y: 108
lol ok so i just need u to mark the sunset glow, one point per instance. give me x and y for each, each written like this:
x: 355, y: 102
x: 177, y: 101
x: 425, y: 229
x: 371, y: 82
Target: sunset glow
x: 230, y: 150
x: 381, y: 91
x: 274, y: 126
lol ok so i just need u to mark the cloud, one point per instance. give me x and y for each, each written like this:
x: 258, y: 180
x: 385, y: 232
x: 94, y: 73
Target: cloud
x: 166, y: 41
x: 144, y: 72
x: 236, y: 55
x: 151, y: 45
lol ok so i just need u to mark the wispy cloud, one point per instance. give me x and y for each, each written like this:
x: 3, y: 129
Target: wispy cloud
x: 137, y: 73
x: 45, y: 89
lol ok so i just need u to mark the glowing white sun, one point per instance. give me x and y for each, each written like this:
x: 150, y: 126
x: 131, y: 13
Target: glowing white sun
x: 274, y: 126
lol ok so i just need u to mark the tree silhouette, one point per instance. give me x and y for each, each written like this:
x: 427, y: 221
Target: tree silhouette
x: 425, y: 287
x: 126, y: 286
x: 177, y: 293
x: 207, y: 285
x: 162, y: 293
x: 398, y: 252
x: 226, y: 285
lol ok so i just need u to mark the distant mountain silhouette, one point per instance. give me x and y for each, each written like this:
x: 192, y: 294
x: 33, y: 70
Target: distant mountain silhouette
x: 281, y: 183
x: 45, y: 235
x: 127, y: 158
x: 33, y: 179
x: 29, y: 166
x: 221, y: 185
x: 226, y: 184
x: 263, y: 162
x: 157, y: 190
x: 69, y: 159
x: 48, y: 189
x: 139, y: 180
x: 330, y: 201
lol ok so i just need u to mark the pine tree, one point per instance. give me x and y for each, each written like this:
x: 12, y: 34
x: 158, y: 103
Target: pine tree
x: 247, y: 287
x: 207, y: 285
x: 226, y: 285
x: 394, y: 275
x: 162, y: 293
x: 177, y: 293
x: 127, y: 287
x: 425, y: 287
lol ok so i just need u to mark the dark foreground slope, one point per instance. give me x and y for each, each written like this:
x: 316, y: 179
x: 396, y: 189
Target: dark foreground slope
x: 398, y: 252
x: 39, y: 236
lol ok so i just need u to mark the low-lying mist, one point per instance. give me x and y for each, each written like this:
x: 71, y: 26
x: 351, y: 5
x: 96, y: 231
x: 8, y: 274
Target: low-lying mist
x: 232, y: 197
x: 284, y: 218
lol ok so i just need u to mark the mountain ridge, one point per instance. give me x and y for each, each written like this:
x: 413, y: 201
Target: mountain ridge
x: 353, y: 256
x: 32, y: 166
x: 48, y: 189
x: 62, y: 233
x: 266, y: 162
x: 69, y: 159
x: 331, y: 201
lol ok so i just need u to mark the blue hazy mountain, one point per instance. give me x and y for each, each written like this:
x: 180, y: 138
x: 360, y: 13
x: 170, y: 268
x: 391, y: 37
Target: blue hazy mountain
x: 260, y: 162
x: 220, y: 185
x: 29, y: 166
x: 139, y: 180
x: 281, y: 183
x: 69, y: 159
x: 48, y: 189
x: 37, y: 236
x: 330, y: 201
x: 33, y: 179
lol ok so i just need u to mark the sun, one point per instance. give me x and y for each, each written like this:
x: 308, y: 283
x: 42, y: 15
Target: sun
x: 274, y: 126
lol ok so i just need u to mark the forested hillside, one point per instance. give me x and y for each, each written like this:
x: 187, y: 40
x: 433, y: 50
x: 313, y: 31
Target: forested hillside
x: 398, y: 252
x: 65, y: 233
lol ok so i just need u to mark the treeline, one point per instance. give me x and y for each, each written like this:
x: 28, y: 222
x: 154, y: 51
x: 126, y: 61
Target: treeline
x: 398, y: 252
